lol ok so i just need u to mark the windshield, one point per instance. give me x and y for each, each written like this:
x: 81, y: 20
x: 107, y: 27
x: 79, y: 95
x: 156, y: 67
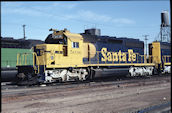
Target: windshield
x: 56, y: 39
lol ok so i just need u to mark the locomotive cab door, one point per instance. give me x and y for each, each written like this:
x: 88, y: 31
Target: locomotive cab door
x: 65, y: 50
x: 65, y: 46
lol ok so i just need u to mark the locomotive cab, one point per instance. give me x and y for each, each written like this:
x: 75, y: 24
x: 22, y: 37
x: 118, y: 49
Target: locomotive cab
x: 61, y: 48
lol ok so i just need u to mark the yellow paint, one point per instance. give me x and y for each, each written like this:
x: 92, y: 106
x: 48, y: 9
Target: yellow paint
x: 156, y: 52
x: 89, y: 49
x: 37, y: 62
x: 73, y: 37
x: 53, y: 54
x: 115, y: 56
x: 22, y: 60
x: 131, y: 55
x: 118, y: 56
x: 103, y: 52
x: 167, y: 64
x: 86, y: 65
x: 124, y: 57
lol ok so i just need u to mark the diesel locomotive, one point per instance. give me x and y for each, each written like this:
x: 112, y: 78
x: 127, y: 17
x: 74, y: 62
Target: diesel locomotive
x: 67, y: 56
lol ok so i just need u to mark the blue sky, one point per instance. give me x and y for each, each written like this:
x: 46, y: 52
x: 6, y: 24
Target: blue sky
x: 131, y: 19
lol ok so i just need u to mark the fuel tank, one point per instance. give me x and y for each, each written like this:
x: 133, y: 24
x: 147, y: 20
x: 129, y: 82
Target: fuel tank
x: 8, y: 74
x: 111, y: 72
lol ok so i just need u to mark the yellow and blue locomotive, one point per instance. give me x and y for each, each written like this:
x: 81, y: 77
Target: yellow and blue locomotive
x: 68, y: 56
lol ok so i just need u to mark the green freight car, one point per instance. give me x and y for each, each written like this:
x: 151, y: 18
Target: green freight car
x: 9, y: 56
x: 9, y: 49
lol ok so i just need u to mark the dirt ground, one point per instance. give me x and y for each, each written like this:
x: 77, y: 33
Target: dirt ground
x: 108, y: 99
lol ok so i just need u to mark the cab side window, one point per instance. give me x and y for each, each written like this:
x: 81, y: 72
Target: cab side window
x: 75, y: 44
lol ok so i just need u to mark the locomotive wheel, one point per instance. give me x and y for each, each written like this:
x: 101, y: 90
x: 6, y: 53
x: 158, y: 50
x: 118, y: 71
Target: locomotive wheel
x: 23, y: 79
x: 91, y: 74
x: 60, y: 80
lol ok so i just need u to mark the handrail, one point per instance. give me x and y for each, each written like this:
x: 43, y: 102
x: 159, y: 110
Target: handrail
x: 22, y: 60
x: 97, y: 57
x: 25, y: 59
x: 44, y: 61
x: 139, y: 59
x: 166, y: 58
x: 17, y: 59
x: 36, y: 60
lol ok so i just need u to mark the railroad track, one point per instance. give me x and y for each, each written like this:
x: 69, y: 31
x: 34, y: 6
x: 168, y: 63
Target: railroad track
x: 159, y: 108
x: 99, y: 81
x: 15, y: 93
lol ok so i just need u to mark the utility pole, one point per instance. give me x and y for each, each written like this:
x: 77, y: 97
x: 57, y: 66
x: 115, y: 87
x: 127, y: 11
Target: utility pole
x: 24, y: 32
x: 146, y: 42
